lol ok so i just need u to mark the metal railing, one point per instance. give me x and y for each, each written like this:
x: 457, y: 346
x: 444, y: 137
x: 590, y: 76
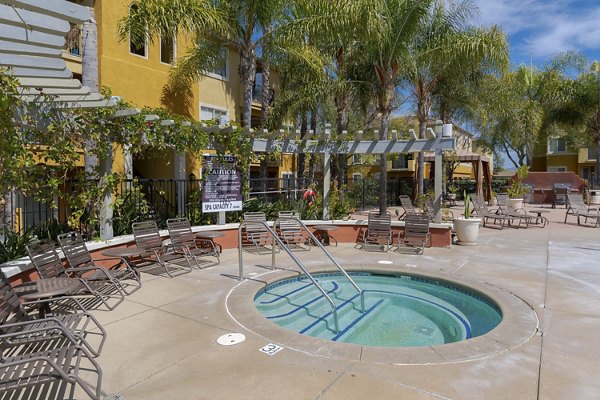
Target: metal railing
x: 292, y: 256
x: 328, y: 254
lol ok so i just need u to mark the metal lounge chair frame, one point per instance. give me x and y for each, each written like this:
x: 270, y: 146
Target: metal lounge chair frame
x: 416, y: 232
x: 378, y: 233
x: 290, y: 231
x: 504, y: 208
x: 45, y: 360
x: 48, y: 265
x: 78, y: 256
x: 256, y: 234
x: 14, y: 319
x: 486, y: 214
x: 407, y: 206
x: 577, y: 208
x: 147, y: 237
x: 180, y: 232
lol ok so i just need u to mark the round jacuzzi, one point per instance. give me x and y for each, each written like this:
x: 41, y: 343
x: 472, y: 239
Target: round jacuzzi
x: 398, y: 310
x: 409, y: 318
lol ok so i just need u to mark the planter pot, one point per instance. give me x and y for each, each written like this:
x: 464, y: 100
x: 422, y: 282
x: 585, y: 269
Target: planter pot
x: 594, y: 197
x: 467, y: 230
x: 451, y: 196
x: 516, y: 203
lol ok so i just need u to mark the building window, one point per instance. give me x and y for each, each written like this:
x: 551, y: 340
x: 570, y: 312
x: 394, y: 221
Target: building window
x: 591, y: 153
x: 356, y: 159
x: 356, y: 177
x: 168, y: 49
x: 401, y: 162
x: 141, y: 50
x: 221, y: 71
x: 557, y: 169
x: 557, y: 145
x: 212, y: 113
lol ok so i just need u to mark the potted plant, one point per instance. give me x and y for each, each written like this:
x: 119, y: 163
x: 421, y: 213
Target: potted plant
x: 467, y: 228
x: 516, y: 190
x: 452, y: 190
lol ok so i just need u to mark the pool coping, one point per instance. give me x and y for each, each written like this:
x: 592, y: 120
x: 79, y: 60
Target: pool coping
x: 520, y: 323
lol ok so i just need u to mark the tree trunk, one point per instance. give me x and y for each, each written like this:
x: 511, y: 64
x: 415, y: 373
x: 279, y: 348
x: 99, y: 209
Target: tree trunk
x: 266, y: 94
x: 302, y: 156
x: 385, y: 120
x: 247, y: 76
x: 311, y: 165
x: 89, y: 78
x: 423, y: 108
x: 341, y: 125
x: 597, y: 167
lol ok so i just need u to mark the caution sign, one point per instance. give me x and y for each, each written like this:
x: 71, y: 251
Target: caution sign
x: 222, y: 188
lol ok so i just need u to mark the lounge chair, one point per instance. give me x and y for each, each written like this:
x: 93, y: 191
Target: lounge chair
x: 42, y: 358
x: 559, y: 197
x: 416, y: 232
x: 407, y: 207
x: 78, y: 256
x: 255, y: 232
x: 486, y: 214
x: 180, y: 232
x: 378, y: 234
x: 147, y: 237
x: 14, y: 319
x: 577, y: 208
x: 290, y: 231
x: 48, y: 265
x: 504, y: 208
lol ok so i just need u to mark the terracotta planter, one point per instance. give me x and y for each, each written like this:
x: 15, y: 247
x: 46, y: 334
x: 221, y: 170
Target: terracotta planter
x: 467, y: 230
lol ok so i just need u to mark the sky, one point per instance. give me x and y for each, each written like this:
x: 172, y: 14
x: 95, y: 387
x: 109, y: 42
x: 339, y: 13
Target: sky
x: 539, y: 29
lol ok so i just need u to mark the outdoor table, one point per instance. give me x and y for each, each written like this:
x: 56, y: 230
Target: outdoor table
x: 211, y: 235
x: 125, y: 253
x: 323, y: 233
x: 540, y: 217
x: 47, y: 288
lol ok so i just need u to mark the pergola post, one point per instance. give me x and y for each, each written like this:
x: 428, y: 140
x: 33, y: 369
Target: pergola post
x: 326, y: 175
x: 179, y: 174
x: 438, y: 186
x: 106, y: 210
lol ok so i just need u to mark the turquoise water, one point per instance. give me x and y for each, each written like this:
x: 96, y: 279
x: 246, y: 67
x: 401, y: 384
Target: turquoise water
x: 399, y: 310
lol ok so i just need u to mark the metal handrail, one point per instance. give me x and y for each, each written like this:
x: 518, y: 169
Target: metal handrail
x: 287, y: 250
x: 338, y: 266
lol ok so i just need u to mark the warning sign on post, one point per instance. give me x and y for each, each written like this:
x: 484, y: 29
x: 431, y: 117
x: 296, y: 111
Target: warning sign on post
x: 222, y: 188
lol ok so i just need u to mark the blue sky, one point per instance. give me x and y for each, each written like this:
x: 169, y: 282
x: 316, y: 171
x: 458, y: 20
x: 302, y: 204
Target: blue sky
x: 539, y: 29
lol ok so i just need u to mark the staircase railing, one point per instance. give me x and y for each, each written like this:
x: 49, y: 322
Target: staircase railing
x: 292, y: 256
x: 328, y: 254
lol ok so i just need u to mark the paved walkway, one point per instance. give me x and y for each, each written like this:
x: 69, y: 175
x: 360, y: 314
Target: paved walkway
x: 162, y: 339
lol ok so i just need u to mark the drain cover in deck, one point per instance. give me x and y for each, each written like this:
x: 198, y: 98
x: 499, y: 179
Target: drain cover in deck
x: 230, y: 339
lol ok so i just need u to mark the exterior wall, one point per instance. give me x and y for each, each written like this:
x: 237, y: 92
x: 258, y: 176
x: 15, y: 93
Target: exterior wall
x: 568, y: 160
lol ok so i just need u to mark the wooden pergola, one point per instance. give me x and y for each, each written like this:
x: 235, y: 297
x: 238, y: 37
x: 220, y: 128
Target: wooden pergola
x: 481, y: 167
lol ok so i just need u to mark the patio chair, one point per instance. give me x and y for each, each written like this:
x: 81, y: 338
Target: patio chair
x: 429, y: 211
x: 290, y: 231
x: 416, y: 232
x: 486, y: 214
x: 504, y: 208
x: 577, y: 208
x: 378, y: 234
x: 255, y: 233
x: 14, y: 319
x: 42, y: 358
x: 560, y: 194
x: 48, y: 265
x: 407, y: 207
x: 147, y: 237
x: 180, y: 232
x: 78, y: 256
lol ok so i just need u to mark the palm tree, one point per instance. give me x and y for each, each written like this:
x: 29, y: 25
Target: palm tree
x: 396, y: 24
x: 444, y: 48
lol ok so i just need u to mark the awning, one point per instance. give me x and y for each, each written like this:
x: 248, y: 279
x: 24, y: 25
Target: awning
x: 32, y: 38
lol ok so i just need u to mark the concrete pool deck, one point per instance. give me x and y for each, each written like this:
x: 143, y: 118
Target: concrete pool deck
x: 162, y: 339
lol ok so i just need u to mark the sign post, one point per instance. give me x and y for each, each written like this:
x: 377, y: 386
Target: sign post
x: 222, y: 187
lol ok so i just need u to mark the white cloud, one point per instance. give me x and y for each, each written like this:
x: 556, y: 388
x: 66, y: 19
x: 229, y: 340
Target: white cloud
x: 542, y: 28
